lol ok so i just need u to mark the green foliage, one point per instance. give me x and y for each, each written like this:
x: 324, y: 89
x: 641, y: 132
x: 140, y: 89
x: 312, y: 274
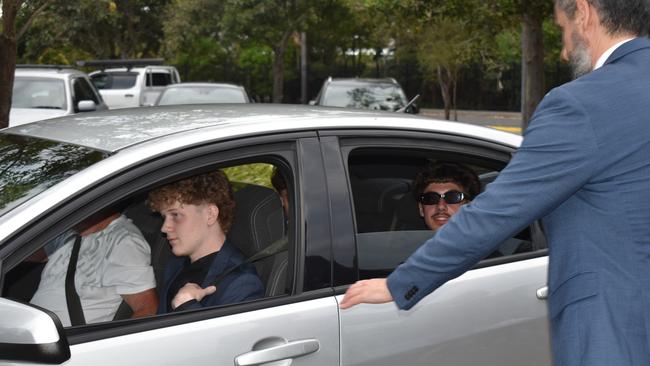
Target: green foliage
x: 257, y: 173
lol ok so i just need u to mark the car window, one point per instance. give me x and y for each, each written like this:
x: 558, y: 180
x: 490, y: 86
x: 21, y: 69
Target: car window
x: 132, y: 254
x: 389, y: 223
x: 83, y: 91
x: 158, y: 78
x: 114, y: 80
x: 197, y: 95
x: 369, y: 96
x: 30, y: 166
x: 43, y: 93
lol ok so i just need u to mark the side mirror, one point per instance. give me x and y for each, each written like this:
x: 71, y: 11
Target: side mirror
x: 86, y: 106
x: 413, y: 109
x: 31, y: 334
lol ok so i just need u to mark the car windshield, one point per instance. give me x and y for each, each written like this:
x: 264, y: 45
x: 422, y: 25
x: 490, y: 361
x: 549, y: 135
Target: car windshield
x: 114, y: 80
x: 34, y: 92
x: 368, y: 96
x: 29, y: 166
x: 197, y: 95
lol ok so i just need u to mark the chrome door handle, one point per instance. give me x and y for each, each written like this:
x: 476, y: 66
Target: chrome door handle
x: 276, y: 353
x: 542, y: 293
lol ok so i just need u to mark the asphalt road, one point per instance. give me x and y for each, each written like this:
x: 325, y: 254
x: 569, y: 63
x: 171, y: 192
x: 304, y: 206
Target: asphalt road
x: 507, y: 121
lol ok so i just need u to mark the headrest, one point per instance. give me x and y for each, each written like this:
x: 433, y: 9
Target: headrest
x: 259, y: 219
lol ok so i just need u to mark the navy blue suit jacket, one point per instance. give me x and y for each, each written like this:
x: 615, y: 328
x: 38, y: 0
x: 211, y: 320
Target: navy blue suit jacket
x: 584, y: 169
x: 240, y: 285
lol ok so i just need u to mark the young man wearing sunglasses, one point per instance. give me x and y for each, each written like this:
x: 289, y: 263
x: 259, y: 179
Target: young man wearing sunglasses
x: 442, y: 189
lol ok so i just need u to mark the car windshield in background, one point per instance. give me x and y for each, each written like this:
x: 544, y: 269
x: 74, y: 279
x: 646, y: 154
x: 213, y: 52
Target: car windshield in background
x: 198, y: 95
x: 30, y: 166
x: 38, y: 93
x: 114, y: 80
x: 377, y: 96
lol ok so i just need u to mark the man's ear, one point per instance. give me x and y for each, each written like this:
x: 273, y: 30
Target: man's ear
x: 213, y: 214
x: 421, y: 209
x: 583, y: 15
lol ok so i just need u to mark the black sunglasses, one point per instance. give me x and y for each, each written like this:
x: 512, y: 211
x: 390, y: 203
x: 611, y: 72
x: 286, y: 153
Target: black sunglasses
x: 451, y: 197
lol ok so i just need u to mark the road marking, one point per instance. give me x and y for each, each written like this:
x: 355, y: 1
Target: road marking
x: 516, y: 130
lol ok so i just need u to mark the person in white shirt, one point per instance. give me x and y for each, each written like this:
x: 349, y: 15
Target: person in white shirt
x: 114, y: 265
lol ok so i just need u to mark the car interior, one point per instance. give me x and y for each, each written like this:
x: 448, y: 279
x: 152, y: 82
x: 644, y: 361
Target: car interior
x: 259, y: 224
x: 389, y: 225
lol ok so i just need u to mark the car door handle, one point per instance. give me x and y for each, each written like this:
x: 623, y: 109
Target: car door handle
x: 280, y: 352
x: 128, y: 95
x: 542, y: 293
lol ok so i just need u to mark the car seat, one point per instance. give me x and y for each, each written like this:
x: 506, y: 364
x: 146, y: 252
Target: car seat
x: 259, y: 222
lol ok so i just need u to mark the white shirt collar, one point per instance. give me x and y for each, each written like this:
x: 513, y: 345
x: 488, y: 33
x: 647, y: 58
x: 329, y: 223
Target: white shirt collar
x: 606, y: 54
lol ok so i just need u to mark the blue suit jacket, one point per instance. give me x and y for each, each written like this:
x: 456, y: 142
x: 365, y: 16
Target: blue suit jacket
x: 584, y: 168
x: 240, y: 285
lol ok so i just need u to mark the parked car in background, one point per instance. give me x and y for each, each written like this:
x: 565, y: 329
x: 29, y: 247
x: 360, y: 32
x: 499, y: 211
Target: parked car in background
x: 202, y: 93
x: 351, y: 215
x: 379, y: 94
x: 131, y: 83
x: 47, y: 91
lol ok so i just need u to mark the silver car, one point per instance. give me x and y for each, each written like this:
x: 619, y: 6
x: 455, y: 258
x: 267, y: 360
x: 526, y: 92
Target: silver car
x: 351, y: 216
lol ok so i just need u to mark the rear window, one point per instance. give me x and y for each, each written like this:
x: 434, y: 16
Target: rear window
x: 159, y: 78
x: 114, y: 80
x: 366, y: 96
x: 198, y: 95
x: 29, y: 166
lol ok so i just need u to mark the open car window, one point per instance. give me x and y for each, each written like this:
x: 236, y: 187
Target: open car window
x: 131, y: 254
x: 389, y: 224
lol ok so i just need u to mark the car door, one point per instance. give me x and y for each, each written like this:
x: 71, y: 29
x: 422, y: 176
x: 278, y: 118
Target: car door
x: 297, y: 325
x: 491, y: 315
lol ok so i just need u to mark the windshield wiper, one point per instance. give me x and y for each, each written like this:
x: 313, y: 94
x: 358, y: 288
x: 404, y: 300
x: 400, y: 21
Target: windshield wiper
x: 403, y: 109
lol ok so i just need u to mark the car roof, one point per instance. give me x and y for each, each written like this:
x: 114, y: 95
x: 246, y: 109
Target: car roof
x: 204, y: 85
x: 363, y: 81
x: 44, y: 71
x: 115, y: 130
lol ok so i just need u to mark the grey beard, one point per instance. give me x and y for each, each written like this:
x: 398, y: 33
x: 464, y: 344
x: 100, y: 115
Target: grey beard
x: 580, y: 59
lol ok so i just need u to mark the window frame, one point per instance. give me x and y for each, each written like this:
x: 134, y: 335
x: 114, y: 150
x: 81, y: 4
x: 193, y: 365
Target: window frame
x: 280, y: 149
x: 472, y: 149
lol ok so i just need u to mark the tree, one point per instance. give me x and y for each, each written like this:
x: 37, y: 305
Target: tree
x: 16, y: 17
x: 271, y: 23
x: 446, y: 45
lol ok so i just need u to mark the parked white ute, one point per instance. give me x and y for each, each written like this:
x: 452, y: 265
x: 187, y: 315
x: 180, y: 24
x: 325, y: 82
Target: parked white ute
x: 131, y: 83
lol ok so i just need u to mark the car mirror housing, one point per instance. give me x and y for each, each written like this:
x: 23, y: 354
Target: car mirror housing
x: 31, y: 334
x: 86, y: 106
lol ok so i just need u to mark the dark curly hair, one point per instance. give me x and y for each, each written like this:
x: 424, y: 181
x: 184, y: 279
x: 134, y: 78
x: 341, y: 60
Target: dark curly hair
x: 446, y: 172
x: 212, y: 187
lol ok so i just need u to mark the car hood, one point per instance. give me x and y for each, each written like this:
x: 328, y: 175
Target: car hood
x: 20, y: 116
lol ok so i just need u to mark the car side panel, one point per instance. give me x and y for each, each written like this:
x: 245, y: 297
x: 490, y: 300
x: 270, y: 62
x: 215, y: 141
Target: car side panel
x: 488, y: 316
x: 219, y: 341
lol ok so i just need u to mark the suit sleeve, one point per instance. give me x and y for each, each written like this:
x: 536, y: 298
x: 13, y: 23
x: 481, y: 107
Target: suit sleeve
x: 556, y: 158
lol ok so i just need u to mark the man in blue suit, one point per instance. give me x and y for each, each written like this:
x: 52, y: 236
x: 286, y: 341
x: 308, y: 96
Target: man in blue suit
x: 584, y: 169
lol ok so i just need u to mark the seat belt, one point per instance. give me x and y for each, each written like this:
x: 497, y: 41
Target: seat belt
x: 273, y: 249
x: 72, y: 298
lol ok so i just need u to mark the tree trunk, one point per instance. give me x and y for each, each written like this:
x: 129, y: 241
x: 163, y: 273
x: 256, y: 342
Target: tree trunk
x: 445, y: 90
x: 532, y: 65
x: 454, y: 86
x: 7, y: 58
x: 278, y: 68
